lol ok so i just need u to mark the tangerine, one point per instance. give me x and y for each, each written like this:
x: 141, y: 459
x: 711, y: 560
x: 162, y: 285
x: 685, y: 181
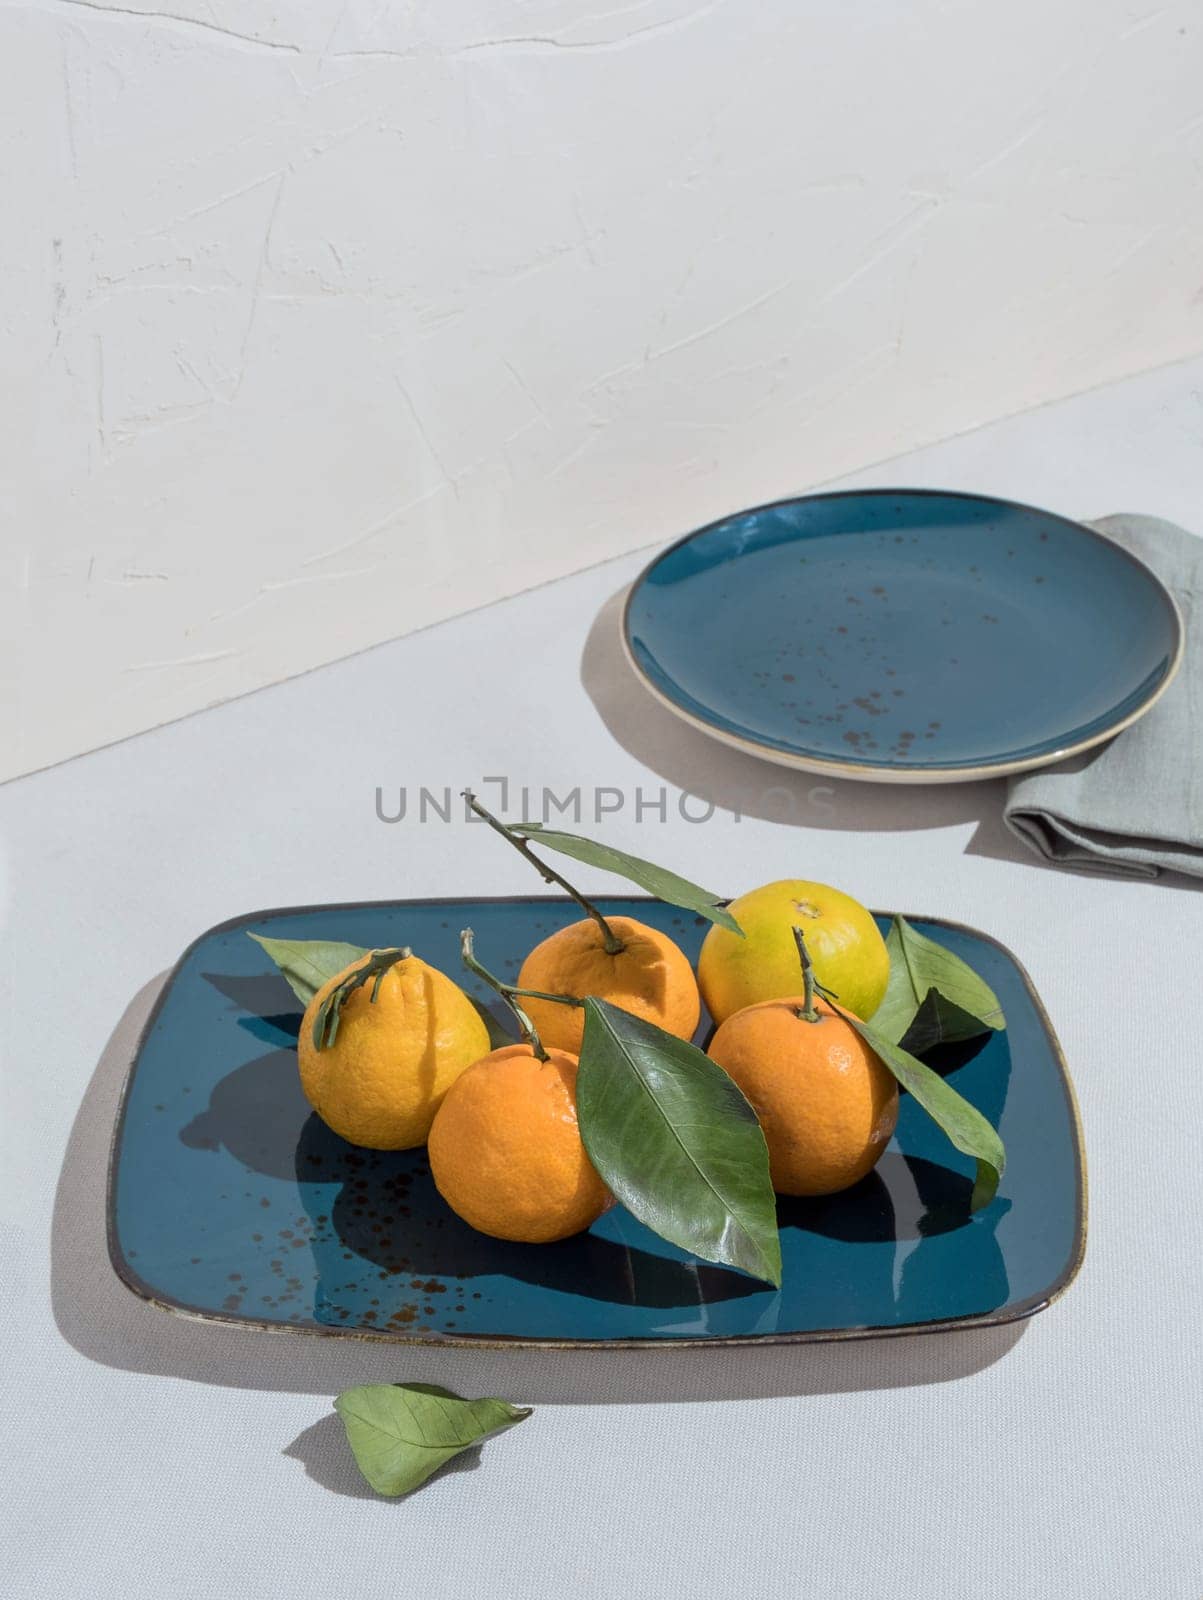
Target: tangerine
x: 826, y: 1104
x: 649, y: 976
x: 506, y: 1153
x: 848, y: 951
x: 394, y: 1057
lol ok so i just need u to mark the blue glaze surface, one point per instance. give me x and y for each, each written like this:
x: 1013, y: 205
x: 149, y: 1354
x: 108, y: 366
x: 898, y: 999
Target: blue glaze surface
x: 903, y: 630
x: 229, y: 1198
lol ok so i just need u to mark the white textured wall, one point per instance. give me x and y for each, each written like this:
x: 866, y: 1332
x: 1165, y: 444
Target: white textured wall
x: 322, y: 322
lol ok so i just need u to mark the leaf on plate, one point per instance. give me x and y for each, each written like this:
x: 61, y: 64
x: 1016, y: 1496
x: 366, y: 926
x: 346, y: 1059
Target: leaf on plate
x: 933, y: 997
x: 962, y: 1123
x: 665, y: 885
x: 308, y: 963
x: 676, y: 1142
x: 400, y: 1433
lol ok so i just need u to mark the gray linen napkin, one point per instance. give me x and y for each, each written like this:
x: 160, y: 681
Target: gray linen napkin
x: 1134, y: 806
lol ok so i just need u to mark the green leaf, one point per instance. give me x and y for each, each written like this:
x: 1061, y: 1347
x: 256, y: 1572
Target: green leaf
x: 963, y: 1123
x: 400, y: 1433
x: 676, y: 1142
x: 308, y: 963
x: 665, y: 885
x: 933, y: 997
x: 939, y: 1021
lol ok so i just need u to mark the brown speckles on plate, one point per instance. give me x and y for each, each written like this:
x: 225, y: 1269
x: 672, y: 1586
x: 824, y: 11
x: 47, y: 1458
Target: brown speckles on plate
x: 869, y: 705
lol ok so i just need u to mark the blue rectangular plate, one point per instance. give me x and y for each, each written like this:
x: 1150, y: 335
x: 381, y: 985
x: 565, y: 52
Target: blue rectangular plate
x: 228, y: 1200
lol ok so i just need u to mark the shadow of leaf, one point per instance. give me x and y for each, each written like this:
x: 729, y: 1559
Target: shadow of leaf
x: 323, y: 1451
x: 882, y: 1208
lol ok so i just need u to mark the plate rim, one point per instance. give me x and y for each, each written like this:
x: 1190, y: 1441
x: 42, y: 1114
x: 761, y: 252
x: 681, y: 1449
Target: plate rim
x: 873, y: 772
x: 1019, y: 1312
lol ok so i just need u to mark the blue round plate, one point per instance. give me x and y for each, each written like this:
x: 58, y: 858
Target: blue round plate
x: 903, y: 636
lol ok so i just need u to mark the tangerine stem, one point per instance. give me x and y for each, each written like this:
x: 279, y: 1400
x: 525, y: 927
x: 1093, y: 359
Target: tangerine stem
x: 325, y: 1024
x: 809, y: 1011
x: 613, y: 944
x: 505, y: 990
x: 540, y: 994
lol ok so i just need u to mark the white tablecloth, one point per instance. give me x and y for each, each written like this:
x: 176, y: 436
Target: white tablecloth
x: 145, y: 1455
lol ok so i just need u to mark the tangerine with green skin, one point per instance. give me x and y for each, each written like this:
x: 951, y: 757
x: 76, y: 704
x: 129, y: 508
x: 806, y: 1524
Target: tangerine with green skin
x: 848, y: 952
